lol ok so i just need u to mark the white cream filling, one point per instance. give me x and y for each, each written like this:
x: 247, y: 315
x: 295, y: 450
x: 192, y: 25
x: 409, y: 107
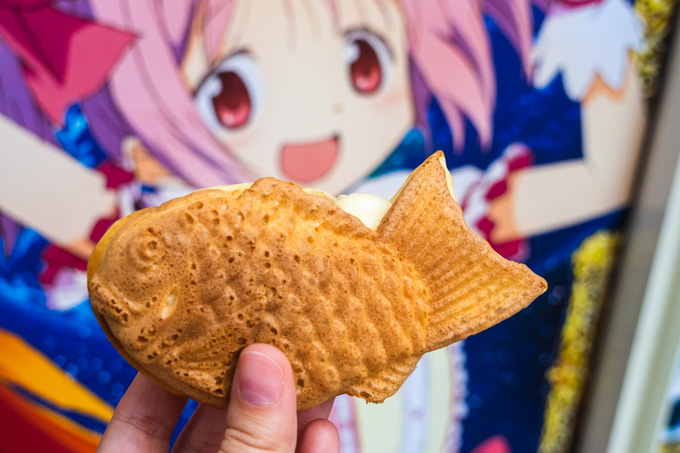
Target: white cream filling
x: 368, y: 208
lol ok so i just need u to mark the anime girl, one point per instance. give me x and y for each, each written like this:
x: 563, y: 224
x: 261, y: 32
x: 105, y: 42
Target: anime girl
x: 319, y: 92
x: 217, y: 92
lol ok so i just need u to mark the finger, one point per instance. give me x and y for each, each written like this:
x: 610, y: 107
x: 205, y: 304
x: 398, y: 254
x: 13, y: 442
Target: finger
x: 320, y: 435
x: 307, y: 416
x: 144, y: 419
x: 262, y: 409
x: 203, y: 432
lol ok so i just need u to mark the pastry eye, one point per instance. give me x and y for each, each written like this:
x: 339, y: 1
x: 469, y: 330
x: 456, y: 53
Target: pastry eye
x: 232, y: 93
x: 368, y: 60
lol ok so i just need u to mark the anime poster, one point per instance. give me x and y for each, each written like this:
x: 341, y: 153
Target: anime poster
x: 109, y: 106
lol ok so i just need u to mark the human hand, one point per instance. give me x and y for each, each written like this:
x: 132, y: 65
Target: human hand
x: 261, y: 416
x: 502, y: 214
x: 147, y: 169
x: 490, y: 207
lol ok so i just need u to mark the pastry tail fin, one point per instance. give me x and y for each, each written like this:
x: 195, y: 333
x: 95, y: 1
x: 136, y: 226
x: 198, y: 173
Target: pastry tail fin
x: 469, y: 286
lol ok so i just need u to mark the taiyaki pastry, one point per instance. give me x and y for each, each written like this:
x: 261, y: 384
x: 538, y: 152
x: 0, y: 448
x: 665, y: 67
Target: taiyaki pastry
x: 353, y: 290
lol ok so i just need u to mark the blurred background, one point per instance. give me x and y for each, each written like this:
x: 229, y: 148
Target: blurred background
x: 558, y: 119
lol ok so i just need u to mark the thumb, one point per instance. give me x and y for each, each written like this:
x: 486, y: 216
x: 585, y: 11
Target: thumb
x: 262, y: 410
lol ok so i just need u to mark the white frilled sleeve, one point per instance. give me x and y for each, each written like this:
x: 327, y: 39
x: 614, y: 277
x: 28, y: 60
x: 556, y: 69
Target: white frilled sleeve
x: 582, y: 39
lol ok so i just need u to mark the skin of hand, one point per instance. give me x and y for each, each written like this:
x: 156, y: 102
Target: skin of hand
x: 147, y: 169
x: 501, y: 213
x: 261, y: 417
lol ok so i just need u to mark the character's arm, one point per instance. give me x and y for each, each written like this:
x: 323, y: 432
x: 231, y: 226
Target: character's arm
x: 589, y: 43
x: 544, y: 198
x: 44, y: 188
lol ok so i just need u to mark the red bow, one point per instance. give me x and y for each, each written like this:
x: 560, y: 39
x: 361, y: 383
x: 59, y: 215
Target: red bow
x: 64, y: 58
x: 577, y: 3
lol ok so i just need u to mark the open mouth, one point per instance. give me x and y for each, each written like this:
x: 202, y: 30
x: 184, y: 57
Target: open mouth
x: 310, y: 161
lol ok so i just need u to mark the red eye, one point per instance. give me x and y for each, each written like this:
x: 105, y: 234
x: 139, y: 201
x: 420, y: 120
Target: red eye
x: 364, y: 67
x: 232, y: 104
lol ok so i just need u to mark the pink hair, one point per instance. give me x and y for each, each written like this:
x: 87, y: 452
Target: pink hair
x: 452, y: 61
x: 149, y: 92
x: 450, y: 56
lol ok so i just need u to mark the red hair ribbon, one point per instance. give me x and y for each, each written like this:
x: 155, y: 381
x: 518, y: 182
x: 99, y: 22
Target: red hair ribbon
x: 577, y: 3
x: 64, y: 57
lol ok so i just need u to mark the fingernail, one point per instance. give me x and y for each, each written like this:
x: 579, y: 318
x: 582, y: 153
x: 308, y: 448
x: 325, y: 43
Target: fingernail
x: 260, y: 379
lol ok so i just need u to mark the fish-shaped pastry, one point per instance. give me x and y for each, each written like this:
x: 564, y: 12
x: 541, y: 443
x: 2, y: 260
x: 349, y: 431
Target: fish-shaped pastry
x: 182, y: 288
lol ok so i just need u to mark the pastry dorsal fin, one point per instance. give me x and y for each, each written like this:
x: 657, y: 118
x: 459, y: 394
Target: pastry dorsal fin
x: 469, y: 286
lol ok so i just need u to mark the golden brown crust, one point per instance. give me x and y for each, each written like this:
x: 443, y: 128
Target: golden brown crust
x: 92, y: 269
x: 472, y: 287
x: 302, y: 283
x: 181, y: 289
